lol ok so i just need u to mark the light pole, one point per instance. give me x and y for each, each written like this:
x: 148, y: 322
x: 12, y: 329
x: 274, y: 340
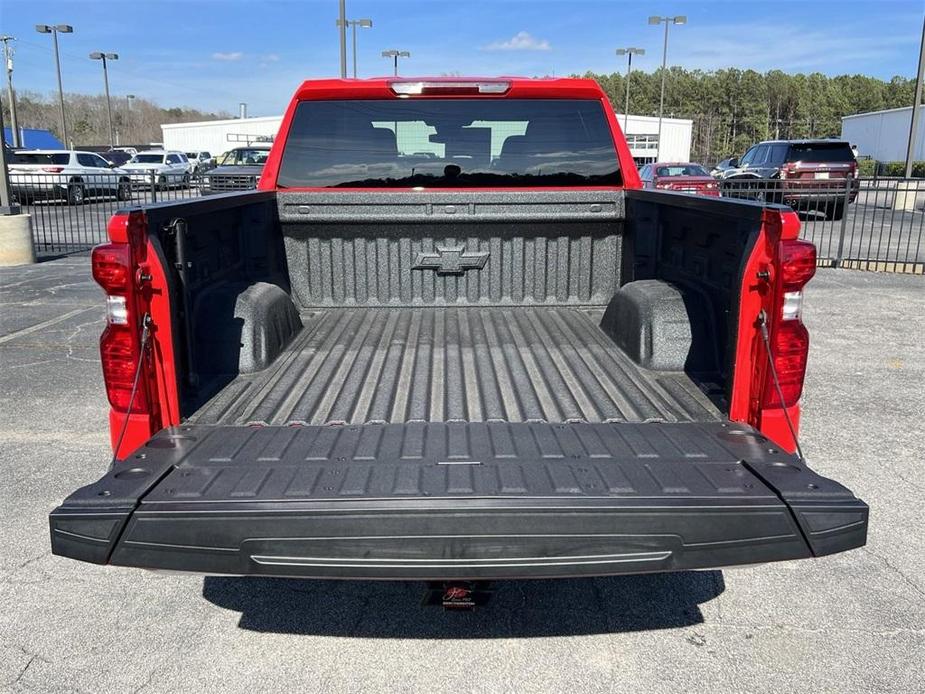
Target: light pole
x: 667, y: 21
x: 353, y: 24
x: 629, y: 53
x: 104, y: 57
x: 342, y: 31
x: 8, y: 57
x: 916, y: 105
x: 54, y: 30
x: 395, y: 55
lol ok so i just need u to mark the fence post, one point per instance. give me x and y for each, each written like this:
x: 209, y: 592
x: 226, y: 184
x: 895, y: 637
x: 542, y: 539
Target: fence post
x: 849, y: 182
x: 153, y: 186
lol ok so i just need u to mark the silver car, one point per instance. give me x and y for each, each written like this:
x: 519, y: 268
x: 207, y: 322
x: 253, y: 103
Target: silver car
x: 65, y: 174
x: 159, y: 168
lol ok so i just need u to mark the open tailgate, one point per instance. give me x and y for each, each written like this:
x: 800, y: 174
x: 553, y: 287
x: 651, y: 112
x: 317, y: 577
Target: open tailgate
x: 457, y: 501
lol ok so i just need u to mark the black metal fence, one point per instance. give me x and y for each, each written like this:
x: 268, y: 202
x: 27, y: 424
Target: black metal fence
x: 70, y: 213
x: 864, y: 224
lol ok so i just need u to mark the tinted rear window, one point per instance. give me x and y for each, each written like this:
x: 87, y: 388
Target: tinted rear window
x: 821, y: 153
x: 60, y: 159
x: 449, y: 143
x: 681, y: 170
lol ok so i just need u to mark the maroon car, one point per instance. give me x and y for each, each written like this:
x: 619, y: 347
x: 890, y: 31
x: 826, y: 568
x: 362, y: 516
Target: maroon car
x: 679, y: 177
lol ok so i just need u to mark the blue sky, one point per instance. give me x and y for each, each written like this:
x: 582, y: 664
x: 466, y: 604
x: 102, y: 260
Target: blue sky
x: 214, y: 53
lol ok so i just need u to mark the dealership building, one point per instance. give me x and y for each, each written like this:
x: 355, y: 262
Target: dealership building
x: 219, y: 136
x: 884, y: 135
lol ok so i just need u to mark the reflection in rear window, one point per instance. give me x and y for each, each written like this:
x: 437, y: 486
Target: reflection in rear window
x: 449, y: 143
x: 61, y: 158
x: 821, y: 153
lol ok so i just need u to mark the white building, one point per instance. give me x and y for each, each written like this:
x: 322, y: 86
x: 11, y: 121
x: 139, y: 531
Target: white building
x: 884, y: 135
x: 219, y: 136
x: 642, y: 138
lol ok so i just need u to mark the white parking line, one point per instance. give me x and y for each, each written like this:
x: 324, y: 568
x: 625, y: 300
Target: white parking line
x: 44, y: 324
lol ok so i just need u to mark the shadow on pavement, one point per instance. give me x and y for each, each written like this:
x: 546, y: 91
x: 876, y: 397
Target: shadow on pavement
x: 378, y: 609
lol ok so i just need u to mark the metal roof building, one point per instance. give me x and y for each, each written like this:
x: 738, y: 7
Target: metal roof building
x: 884, y: 135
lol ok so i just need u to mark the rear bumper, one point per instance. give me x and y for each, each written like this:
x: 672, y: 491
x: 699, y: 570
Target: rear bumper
x: 504, y: 516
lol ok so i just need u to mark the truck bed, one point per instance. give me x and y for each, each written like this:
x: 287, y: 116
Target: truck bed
x: 478, y: 364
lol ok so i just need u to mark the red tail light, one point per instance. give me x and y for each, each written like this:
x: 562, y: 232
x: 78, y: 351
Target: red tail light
x: 119, y: 353
x: 790, y: 348
x: 52, y: 169
x: 789, y: 338
x: 798, y: 264
x: 120, y: 345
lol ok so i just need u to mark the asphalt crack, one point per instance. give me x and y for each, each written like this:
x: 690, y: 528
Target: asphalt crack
x: 896, y: 570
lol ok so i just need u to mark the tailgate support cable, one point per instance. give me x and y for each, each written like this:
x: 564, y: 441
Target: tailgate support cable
x: 763, y: 326
x: 145, y: 334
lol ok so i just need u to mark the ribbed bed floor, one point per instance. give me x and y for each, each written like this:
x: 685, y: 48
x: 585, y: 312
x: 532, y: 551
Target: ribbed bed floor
x: 473, y: 364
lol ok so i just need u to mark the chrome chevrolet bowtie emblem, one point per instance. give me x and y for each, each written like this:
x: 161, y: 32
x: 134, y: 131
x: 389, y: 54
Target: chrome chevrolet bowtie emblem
x: 451, y: 260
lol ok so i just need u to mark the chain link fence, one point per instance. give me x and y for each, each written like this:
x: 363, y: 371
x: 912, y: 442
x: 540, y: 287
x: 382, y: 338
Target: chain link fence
x: 867, y: 224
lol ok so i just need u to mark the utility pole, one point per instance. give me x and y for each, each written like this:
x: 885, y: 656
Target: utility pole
x: 8, y: 59
x: 342, y: 26
x: 916, y: 107
x: 680, y: 19
x: 104, y: 57
x: 53, y: 30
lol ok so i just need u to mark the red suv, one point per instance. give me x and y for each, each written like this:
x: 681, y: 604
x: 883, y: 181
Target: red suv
x: 805, y: 174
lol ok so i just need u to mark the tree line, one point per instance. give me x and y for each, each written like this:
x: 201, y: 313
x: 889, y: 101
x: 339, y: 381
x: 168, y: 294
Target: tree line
x: 732, y: 109
x: 136, y: 121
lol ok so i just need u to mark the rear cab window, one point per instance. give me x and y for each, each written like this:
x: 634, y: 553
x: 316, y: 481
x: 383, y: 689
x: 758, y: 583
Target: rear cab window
x: 41, y: 158
x: 449, y: 143
x: 820, y: 153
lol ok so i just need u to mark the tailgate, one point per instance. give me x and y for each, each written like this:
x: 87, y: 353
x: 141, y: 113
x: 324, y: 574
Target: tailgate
x: 457, y: 501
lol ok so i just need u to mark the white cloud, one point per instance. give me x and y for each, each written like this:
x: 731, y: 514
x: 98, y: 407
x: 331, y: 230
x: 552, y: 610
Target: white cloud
x: 228, y: 57
x: 270, y: 58
x: 521, y: 41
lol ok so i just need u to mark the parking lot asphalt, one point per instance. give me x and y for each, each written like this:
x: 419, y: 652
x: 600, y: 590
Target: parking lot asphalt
x: 850, y: 622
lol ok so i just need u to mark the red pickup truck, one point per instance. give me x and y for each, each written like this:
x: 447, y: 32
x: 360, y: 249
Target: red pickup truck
x: 450, y: 337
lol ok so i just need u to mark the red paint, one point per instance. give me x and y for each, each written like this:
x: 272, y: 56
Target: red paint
x: 749, y: 398
x: 122, y: 268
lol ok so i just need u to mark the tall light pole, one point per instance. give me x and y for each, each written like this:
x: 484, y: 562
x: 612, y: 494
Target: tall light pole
x: 342, y: 31
x: 629, y: 53
x: 353, y: 24
x: 54, y: 31
x: 667, y: 21
x: 96, y: 55
x: 395, y: 55
x: 916, y: 107
x: 8, y: 59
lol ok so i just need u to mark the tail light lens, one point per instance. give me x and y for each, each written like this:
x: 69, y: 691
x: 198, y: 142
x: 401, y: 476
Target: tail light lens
x: 120, y: 343
x: 790, y: 347
x: 52, y: 169
x: 788, y: 337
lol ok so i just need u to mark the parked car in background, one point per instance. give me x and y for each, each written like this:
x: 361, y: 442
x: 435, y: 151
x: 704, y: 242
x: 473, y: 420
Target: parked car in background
x: 131, y: 151
x: 65, y: 174
x: 679, y: 177
x: 238, y: 169
x: 818, y: 175
x: 200, y: 161
x: 169, y: 168
x: 724, y: 166
x: 117, y: 157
